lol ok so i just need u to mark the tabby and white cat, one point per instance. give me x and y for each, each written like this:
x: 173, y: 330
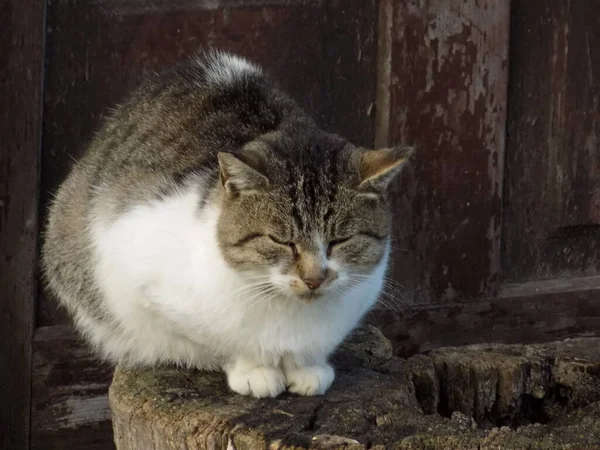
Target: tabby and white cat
x: 211, y: 224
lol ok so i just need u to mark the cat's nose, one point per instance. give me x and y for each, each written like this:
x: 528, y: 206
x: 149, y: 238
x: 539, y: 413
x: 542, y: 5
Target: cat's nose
x: 313, y: 283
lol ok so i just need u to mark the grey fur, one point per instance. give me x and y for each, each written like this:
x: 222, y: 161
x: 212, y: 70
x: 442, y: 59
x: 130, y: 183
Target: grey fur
x: 291, y: 180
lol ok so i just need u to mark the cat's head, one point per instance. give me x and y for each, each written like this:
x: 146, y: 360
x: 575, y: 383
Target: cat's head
x: 306, y: 213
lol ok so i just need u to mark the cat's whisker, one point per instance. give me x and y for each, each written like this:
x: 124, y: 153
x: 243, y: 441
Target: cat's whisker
x: 257, y: 277
x: 391, y: 304
x: 388, y: 282
x: 397, y: 293
x: 385, y: 299
x: 393, y: 281
x: 386, y: 306
x: 400, y: 249
x: 261, y: 291
x: 391, y: 297
x: 264, y: 296
x: 251, y: 287
x: 255, y: 299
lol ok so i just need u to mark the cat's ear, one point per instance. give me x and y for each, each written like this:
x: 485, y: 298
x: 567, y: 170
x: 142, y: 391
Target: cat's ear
x: 378, y: 168
x: 238, y: 176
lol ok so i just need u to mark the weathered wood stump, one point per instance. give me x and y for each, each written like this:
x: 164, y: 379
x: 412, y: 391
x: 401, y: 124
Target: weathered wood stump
x: 478, y: 397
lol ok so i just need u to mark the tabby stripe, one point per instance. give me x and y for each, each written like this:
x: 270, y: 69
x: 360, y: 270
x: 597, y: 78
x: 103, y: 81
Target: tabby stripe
x: 373, y: 236
x: 333, y: 166
x: 294, y: 198
x: 247, y: 239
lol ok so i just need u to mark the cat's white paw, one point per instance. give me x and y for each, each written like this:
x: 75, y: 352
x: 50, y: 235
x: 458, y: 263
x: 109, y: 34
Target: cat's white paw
x: 309, y: 380
x: 257, y: 381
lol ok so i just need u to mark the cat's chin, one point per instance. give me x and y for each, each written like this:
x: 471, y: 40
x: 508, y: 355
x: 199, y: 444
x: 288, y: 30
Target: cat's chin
x: 310, y: 297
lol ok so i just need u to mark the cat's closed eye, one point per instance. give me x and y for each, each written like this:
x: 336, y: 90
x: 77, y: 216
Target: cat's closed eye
x: 343, y: 240
x: 335, y: 242
x: 289, y: 244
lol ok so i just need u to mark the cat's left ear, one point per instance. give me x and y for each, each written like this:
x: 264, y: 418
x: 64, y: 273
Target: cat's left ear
x: 239, y: 176
x: 378, y: 168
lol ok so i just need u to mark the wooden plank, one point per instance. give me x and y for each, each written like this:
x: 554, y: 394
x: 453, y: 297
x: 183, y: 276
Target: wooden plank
x: 170, y: 6
x: 552, y: 204
x: 384, y: 73
x: 21, y: 69
x: 519, y: 315
x: 448, y: 81
x: 69, y: 394
x: 551, y: 286
x: 96, y: 55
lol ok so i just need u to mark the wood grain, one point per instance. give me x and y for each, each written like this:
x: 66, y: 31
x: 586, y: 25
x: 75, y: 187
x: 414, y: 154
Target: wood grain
x: 21, y: 68
x: 451, y: 399
x: 552, y: 202
x: 170, y: 6
x: 525, y: 313
x: 322, y: 53
x: 448, y: 98
x: 70, y: 394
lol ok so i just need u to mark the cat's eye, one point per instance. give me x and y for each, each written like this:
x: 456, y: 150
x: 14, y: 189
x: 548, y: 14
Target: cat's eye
x: 336, y: 242
x: 291, y: 245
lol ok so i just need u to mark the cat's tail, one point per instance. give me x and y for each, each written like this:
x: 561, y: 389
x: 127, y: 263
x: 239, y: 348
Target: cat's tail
x: 222, y: 68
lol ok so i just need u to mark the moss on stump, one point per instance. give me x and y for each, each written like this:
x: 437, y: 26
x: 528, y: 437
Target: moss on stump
x: 491, y: 396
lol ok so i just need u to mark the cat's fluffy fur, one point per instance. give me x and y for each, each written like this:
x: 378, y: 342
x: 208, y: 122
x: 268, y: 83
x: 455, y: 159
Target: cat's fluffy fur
x: 211, y: 224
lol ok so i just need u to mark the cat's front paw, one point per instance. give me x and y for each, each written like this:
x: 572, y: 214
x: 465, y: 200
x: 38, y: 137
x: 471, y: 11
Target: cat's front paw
x: 309, y: 380
x: 257, y: 381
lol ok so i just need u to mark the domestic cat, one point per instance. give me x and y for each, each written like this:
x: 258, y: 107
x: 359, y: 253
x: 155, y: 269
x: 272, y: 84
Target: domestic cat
x: 212, y: 224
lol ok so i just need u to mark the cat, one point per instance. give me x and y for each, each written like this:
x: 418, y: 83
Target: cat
x: 211, y: 224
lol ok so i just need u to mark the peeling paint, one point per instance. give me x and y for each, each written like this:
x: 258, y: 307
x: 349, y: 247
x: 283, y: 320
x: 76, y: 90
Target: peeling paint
x: 450, y: 99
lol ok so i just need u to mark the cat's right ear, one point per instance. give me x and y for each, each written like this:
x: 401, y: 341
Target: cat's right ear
x: 238, y: 177
x: 378, y: 168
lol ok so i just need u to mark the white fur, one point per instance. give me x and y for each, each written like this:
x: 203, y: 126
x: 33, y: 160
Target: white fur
x: 224, y: 68
x: 176, y: 300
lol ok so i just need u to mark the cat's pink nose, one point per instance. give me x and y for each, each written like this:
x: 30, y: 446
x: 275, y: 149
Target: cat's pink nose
x: 313, y: 283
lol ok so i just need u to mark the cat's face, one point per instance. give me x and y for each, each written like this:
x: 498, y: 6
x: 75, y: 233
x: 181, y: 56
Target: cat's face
x: 306, y: 217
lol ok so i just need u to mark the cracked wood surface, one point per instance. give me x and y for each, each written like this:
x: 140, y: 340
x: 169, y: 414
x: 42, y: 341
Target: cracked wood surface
x: 489, y: 396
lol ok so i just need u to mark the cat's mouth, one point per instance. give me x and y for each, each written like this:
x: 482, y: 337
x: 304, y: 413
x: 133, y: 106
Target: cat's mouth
x: 310, y: 297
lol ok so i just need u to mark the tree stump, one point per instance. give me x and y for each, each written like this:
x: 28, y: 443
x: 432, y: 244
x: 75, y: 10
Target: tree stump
x: 489, y: 396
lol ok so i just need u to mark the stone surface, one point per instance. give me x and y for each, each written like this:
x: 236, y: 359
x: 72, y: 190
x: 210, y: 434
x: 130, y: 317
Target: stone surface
x: 476, y: 397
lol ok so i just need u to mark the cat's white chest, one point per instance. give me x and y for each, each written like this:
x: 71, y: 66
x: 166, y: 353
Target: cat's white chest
x: 164, y: 279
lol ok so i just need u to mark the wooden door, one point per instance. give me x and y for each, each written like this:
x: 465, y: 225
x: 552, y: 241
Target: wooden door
x: 497, y: 222
x: 503, y: 242
x: 551, y: 227
x: 444, y: 75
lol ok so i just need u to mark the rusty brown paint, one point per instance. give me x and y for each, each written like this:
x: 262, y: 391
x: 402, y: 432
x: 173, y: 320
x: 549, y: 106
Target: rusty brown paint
x: 552, y: 196
x: 448, y: 97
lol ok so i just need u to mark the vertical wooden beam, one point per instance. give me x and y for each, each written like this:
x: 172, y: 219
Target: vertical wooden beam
x: 448, y: 95
x: 444, y: 66
x: 384, y: 72
x: 21, y: 78
x: 552, y: 191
